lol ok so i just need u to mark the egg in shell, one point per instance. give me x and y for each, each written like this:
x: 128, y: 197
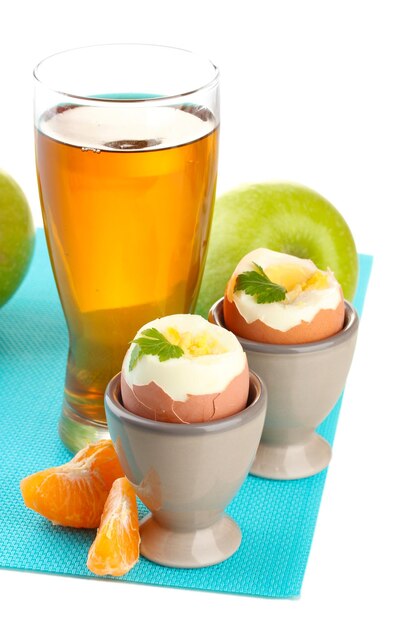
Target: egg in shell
x: 312, y: 305
x: 206, y: 377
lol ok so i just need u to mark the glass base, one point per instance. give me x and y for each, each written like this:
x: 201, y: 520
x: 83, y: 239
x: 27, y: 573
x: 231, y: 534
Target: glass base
x: 76, y: 431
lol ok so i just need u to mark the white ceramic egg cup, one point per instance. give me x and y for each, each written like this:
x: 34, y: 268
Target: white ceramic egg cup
x: 304, y: 382
x: 186, y: 474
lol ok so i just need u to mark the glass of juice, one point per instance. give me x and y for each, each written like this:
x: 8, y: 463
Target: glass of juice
x: 126, y: 150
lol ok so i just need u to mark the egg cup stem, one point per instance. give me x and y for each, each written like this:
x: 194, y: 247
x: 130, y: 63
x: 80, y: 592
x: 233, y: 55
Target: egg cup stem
x: 289, y: 462
x: 189, y: 548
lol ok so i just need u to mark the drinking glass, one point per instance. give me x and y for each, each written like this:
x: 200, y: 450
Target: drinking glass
x: 126, y: 150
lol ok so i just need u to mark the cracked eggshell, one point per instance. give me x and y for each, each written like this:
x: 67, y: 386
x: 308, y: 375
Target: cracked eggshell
x: 327, y: 322
x: 189, y: 389
x: 152, y: 402
x: 309, y: 316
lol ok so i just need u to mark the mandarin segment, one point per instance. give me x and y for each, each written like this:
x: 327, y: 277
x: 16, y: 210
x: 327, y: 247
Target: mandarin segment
x: 101, y: 456
x: 115, y: 549
x: 74, y: 494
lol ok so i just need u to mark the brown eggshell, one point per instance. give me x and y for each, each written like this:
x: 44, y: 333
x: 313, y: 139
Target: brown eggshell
x: 152, y: 402
x: 327, y: 322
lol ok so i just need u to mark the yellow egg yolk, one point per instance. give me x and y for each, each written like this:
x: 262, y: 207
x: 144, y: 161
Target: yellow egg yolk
x: 200, y: 344
x: 288, y: 275
x: 318, y: 280
x: 296, y: 277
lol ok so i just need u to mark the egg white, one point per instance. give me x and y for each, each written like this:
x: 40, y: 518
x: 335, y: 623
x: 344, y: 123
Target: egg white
x: 284, y: 315
x: 188, y: 375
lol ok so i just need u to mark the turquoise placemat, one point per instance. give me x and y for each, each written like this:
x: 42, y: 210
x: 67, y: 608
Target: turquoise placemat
x: 277, y: 518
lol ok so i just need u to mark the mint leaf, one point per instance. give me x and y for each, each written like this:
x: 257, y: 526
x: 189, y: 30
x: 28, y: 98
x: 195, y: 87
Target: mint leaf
x: 153, y: 342
x: 257, y: 284
x: 134, y: 357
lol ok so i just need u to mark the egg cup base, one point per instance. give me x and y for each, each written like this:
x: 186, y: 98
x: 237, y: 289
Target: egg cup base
x: 189, y: 549
x: 290, y: 462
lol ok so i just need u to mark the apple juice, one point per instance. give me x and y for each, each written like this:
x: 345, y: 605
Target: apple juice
x: 127, y: 202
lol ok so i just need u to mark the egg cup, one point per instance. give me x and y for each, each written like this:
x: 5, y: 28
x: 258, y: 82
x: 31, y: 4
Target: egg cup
x: 304, y: 382
x: 186, y: 474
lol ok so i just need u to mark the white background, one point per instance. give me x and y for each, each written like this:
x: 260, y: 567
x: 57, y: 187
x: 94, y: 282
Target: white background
x: 322, y: 93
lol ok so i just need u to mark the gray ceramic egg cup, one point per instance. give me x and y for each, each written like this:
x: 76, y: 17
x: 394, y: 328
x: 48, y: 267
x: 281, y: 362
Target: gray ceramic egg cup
x: 186, y: 474
x: 304, y: 382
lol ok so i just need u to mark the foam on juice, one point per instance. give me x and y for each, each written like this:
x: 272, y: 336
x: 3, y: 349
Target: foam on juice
x: 105, y: 128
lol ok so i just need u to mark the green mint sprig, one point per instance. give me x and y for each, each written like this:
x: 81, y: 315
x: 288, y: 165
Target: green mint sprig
x: 153, y: 342
x: 257, y: 284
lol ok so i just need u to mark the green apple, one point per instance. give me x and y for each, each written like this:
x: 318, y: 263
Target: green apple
x: 17, y: 236
x: 286, y: 217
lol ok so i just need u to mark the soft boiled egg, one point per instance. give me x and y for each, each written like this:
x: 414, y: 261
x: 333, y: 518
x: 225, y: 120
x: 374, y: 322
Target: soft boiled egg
x: 197, y: 372
x: 311, y: 307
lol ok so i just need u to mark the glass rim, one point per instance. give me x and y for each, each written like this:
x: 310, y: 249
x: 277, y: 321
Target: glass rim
x: 204, y: 87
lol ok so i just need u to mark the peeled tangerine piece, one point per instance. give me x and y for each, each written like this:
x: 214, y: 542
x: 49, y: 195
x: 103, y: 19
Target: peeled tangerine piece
x: 74, y: 494
x: 115, y: 549
x: 182, y: 369
x: 278, y: 298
